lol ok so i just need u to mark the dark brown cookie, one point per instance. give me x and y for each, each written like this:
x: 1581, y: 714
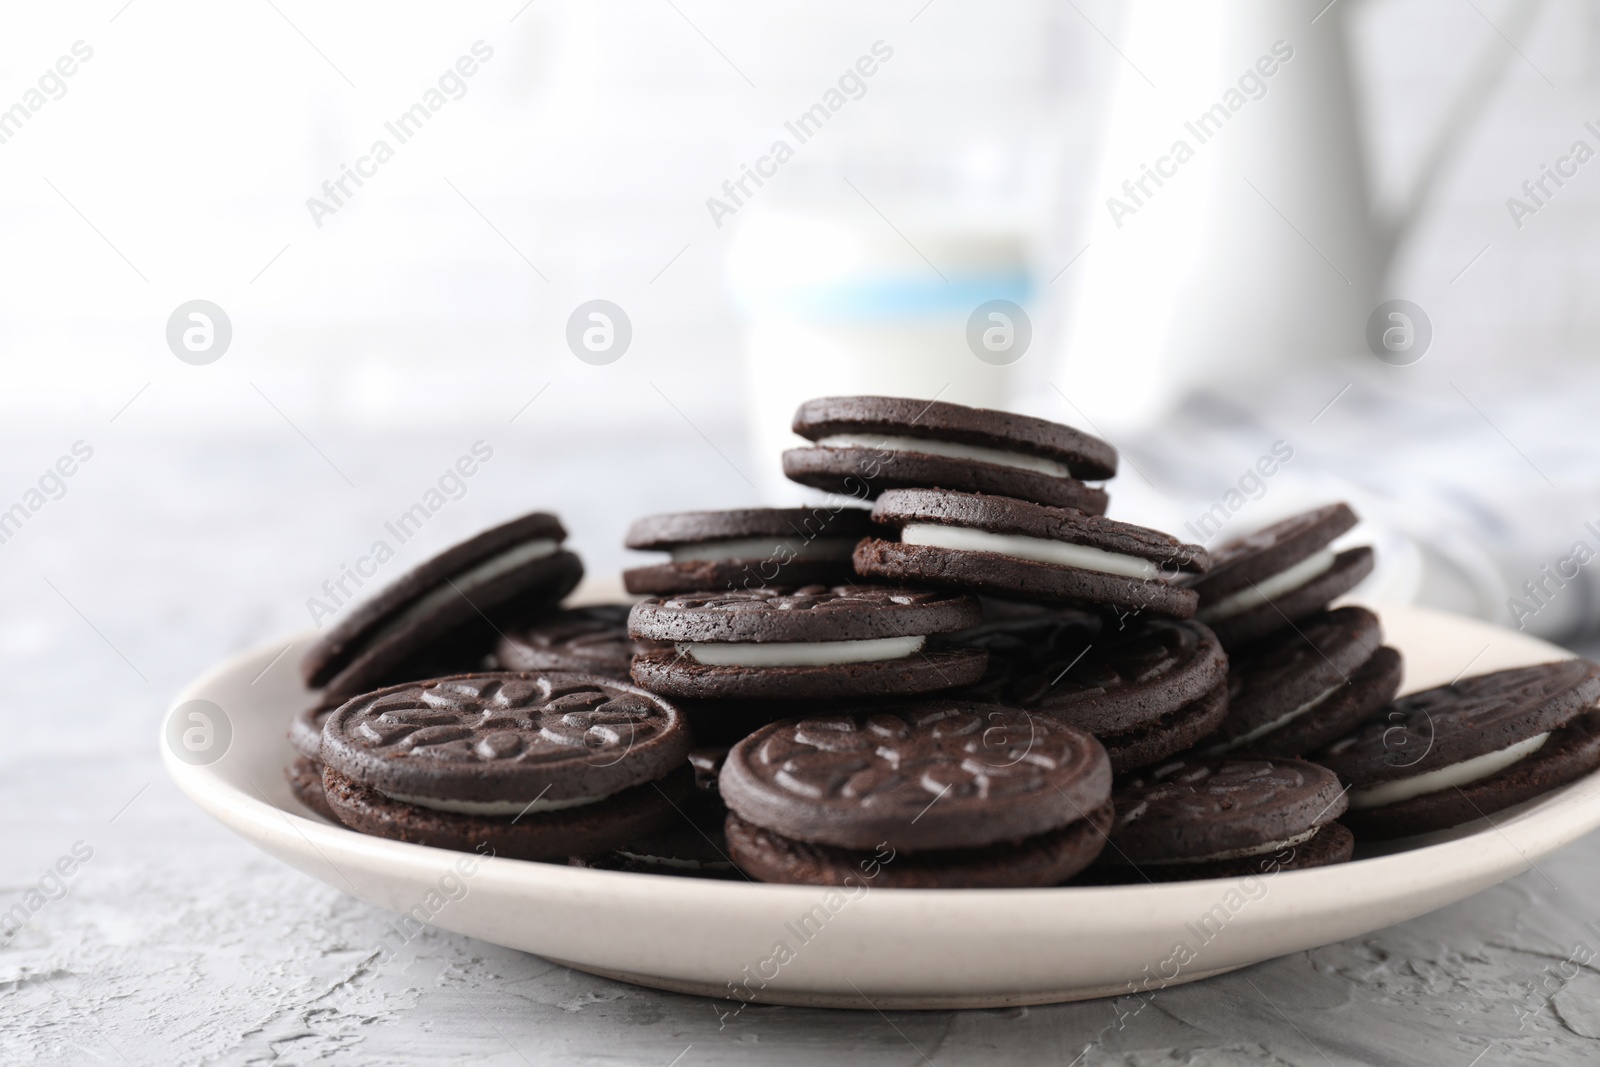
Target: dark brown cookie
x: 1372, y: 686
x: 1198, y: 812
x: 941, y: 774
x: 549, y: 835
x: 305, y: 729
x: 1333, y: 843
x: 749, y: 548
x: 589, y: 640
x: 1045, y: 860
x: 515, y: 568
x: 506, y: 738
x: 1570, y: 753
x: 687, y: 847
x: 1283, y: 675
x: 809, y: 613
x: 1169, y: 735
x: 1238, y: 564
x: 869, y: 444
x: 676, y: 674
x: 1012, y: 548
x: 1283, y: 611
x: 305, y: 782
x: 1441, y: 727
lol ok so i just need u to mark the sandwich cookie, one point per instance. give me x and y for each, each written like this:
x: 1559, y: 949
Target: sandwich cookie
x: 1224, y: 819
x: 1011, y: 548
x: 940, y: 794
x: 516, y: 567
x: 304, y: 773
x: 806, y: 643
x: 747, y: 549
x: 1146, y: 689
x: 866, y: 444
x: 1445, y: 756
x: 1260, y: 583
x: 589, y: 640
x: 1302, y: 688
x: 692, y: 846
x: 537, y: 765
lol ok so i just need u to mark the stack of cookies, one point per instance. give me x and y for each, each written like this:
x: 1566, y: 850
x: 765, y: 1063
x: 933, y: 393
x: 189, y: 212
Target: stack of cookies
x: 954, y: 671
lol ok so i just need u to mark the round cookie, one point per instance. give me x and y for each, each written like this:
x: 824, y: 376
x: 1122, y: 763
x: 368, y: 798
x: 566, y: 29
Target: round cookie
x: 305, y: 782
x: 450, y: 599
x: 1147, y: 688
x: 589, y: 640
x: 539, y: 765
x: 935, y: 775
x: 1446, y: 755
x: 1196, y: 819
x: 1012, y: 548
x: 745, y: 549
x: 1308, y: 680
x: 1264, y: 581
x: 812, y: 642
x: 866, y: 444
x: 938, y: 794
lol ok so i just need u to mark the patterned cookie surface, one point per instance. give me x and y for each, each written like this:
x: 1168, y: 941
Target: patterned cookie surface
x: 502, y: 736
x: 591, y: 640
x: 940, y: 774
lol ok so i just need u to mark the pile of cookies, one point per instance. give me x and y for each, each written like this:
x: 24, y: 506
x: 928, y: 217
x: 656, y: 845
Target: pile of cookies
x: 954, y: 672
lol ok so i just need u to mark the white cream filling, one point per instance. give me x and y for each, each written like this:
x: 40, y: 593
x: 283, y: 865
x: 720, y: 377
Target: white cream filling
x: 1457, y: 774
x: 952, y: 449
x: 1285, y: 581
x: 1239, y: 853
x: 469, y: 581
x: 801, y: 653
x: 1282, y: 720
x: 764, y: 548
x: 492, y: 807
x: 1034, y: 549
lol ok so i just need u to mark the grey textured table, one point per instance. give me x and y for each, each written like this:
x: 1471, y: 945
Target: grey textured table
x: 177, y: 943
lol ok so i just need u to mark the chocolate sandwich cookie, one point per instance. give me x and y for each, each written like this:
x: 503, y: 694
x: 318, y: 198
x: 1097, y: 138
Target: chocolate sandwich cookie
x: 747, y: 549
x: 1146, y: 689
x: 807, y: 643
x: 680, y: 849
x: 1305, y: 687
x: 518, y: 567
x: 1262, y: 582
x: 535, y: 765
x: 589, y: 640
x: 940, y: 794
x: 304, y: 772
x: 1224, y: 819
x: 1463, y: 751
x: 866, y: 444
x: 1012, y: 548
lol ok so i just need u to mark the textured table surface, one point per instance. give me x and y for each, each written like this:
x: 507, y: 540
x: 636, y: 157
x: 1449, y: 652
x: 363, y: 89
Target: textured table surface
x: 177, y: 943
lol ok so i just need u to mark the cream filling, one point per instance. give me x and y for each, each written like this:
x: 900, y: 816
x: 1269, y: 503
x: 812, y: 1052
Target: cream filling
x: 469, y: 581
x: 1282, y: 720
x: 1456, y: 774
x: 675, y: 862
x: 1285, y: 581
x: 1034, y: 549
x: 764, y: 548
x: 1238, y: 853
x: 492, y: 807
x: 801, y: 653
x: 952, y: 449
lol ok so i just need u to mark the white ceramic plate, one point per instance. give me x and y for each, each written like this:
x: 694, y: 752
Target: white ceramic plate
x: 884, y: 948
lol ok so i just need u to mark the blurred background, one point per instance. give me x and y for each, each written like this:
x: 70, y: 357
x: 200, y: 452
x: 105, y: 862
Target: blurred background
x: 937, y: 155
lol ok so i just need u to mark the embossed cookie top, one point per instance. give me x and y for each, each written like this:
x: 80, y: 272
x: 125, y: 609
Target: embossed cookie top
x: 940, y: 774
x: 1098, y: 675
x: 1197, y: 809
x: 590, y: 639
x: 1473, y: 717
x: 506, y: 736
x: 807, y: 613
